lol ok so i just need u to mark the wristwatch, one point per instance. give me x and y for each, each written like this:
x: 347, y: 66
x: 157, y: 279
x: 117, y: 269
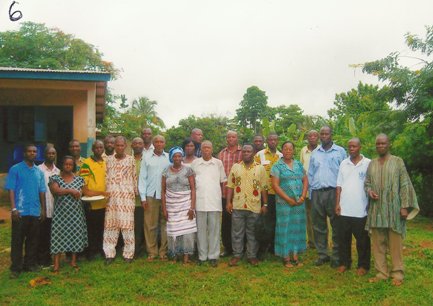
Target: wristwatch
x: 13, y: 209
x: 265, y: 205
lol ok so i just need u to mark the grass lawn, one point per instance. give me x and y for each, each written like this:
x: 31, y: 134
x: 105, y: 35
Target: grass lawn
x: 268, y: 284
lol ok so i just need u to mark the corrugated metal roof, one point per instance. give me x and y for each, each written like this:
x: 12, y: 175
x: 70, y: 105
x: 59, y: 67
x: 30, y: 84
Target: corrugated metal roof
x: 50, y: 70
x: 49, y: 74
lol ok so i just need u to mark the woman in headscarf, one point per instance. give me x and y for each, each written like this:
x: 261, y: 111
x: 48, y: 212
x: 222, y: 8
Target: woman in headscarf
x: 178, y: 206
x: 188, y: 147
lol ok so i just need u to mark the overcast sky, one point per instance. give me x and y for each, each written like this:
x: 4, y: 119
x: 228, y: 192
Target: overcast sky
x: 199, y: 56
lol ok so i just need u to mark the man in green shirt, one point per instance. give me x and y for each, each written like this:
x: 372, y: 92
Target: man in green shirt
x: 392, y: 201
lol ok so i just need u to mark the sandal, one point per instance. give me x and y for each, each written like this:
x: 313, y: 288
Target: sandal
x: 397, y: 282
x: 297, y: 263
x: 287, y: 263
x: 75, y: 267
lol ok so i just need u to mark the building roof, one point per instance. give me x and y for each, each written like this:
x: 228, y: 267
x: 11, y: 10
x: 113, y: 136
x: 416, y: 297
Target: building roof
x: 48, y: 74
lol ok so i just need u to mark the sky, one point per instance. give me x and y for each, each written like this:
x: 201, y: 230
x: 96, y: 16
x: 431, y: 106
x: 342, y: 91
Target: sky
x: 198, y: 57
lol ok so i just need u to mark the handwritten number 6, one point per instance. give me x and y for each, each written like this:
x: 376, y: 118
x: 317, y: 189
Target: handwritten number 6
x: 15, y: 15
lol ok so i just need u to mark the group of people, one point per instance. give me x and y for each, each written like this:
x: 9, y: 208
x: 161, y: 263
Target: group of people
x: 253, y: 199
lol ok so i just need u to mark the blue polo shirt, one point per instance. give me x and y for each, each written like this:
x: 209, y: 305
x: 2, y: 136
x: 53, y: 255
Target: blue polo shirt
x: 324, y: 166
x: 27, y: 182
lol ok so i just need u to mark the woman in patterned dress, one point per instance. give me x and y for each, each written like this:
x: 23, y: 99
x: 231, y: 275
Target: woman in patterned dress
x: 69, y: 230
x: 121, y: 182
x: 290, y: 184
x: 178, y: 206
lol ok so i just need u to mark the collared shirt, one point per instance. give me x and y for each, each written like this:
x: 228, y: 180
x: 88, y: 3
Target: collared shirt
x: 324, y: 165
x: 94, y: 173
x: 304, y: 157
x: 208, y: 178
x: 78, y: 163
x: 267, y: 159
x: 197, y: 149
x: 148, y: 151
x: 351, y: 177
x: 137, y: 170
x: 229, y: 159
x: 26, y: 182
x: 105, y: 156
x: 247, y: 184
x: 49, y: 199
x: 149, y: 184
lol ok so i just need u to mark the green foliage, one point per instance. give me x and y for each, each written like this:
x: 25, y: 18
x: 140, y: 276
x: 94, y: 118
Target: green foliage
x: 253, y: 108
x: 132, y: 118
x: 214, y: 129
x: 36, y: 46
x: 412, y: 91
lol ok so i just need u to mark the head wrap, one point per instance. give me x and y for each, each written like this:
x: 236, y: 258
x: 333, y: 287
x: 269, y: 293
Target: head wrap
x: 173, y: 151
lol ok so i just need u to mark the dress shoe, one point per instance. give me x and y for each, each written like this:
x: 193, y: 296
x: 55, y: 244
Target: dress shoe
x: 321, y: 261
x: 14, y: 275
x: 234, y: 261
x: 253, y: 261
x: 201, y: 262
x: 341, y: 269
x: 128, y: 260
x: 361, y: 271
x: 335, y: 264
x: 213, y: 263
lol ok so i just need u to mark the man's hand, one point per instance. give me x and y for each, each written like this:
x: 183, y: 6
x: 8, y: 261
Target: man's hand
x: 16, y: 215
x: 164, y: 212
x: 43, y: 215
x: 229, y: 207
x: 264, y: 210
x: 338, y: 210
x: 145, y: 204
x: 373, y: 195
x: 403, y: 213
x: 191, y: 214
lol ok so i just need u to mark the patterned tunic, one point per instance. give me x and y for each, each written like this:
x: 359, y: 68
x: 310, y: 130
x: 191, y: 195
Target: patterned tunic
x: 290, y: 230
x: 68, y: 230
x: 392, y: 183
x: 121, y: 182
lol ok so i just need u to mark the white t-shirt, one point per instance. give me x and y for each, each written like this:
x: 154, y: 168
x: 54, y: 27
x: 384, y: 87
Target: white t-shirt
x: 208, y: 177
x: 353, y: 199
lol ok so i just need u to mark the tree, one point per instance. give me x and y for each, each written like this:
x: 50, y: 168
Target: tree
x: 36, y: 46
x: 253, y: 108
x: 412, y: 91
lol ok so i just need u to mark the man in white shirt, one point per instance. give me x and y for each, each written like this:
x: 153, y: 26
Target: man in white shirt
x: 48, y: 168
x: 351, y: 209
x: 210, y: 176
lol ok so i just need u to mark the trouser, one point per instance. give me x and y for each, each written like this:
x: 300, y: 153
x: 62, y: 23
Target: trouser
x: 382, y: 240
x: 25, y: 231
x: 44, y: 254
x: 208, y: 234
x: 95, y: 230
x: 243, y: 222
x: 154, y: 220
x: 346, y: 226
x: 310, y: 233
x: 269, y: 220
x: 181, y: 245
x: 323, y: 205
x: 226, y: 228
x: 110, y: 240
x: 139, y: 229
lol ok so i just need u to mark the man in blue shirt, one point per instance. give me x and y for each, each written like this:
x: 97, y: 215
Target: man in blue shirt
x: 322, y: 177
x: 149, y: 186
x: 26, y: 185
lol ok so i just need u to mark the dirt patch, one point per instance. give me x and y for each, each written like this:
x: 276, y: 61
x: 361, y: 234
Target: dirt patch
x: 426, y: 244
x: 5, y: 213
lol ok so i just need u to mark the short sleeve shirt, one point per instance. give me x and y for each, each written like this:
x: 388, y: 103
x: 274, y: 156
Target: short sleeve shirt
x: 351, y: 177
x: 247, y: 184
x: 93, y: 172
x: 267, y: 159
x: 208, y: 178
x: 26, y: 182
x: 177, y: 181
